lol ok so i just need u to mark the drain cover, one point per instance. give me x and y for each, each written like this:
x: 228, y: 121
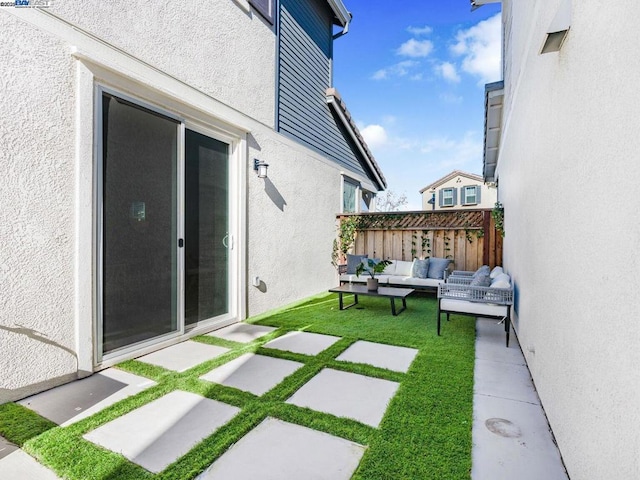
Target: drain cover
x: 503, y: 427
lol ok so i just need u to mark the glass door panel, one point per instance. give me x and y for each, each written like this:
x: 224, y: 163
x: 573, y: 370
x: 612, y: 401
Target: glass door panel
x: 139, y: 252
x: 206, y: 227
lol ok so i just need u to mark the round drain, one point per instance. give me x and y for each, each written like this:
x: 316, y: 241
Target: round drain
x: 503, y: 427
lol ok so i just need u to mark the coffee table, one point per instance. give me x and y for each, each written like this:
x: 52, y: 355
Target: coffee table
x: 388, y: 292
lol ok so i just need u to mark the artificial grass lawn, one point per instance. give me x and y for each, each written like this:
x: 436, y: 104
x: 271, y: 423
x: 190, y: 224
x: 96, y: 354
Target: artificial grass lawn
x: 425, y: 434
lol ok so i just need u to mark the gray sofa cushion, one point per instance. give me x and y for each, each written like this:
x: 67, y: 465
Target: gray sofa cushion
x: 482, y: 280
x: 437, y: 266
x: 353, y: 261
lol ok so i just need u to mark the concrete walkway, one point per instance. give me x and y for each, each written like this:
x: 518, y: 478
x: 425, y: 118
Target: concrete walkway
x: 511, y: 438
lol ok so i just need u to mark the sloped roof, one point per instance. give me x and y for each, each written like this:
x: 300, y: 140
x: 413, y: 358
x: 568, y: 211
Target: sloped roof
x: 451, y: 175
x: 335, y: 101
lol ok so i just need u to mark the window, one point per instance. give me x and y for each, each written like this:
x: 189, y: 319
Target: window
x: 349, y: 196
x: 448, y: 197
x: 471, y: 195
x: 366, y: 201
x: 264, y: 8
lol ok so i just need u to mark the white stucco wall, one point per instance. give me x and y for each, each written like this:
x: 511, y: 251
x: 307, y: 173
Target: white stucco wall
x: 46, y: 139
x: 37, y: 217
x: 567, y: 172
x: 214, y: 46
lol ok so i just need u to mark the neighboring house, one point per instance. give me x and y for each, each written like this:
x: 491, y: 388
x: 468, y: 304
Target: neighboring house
x: 458, y: 191
x: 562, y: 142
x: 132, y: 216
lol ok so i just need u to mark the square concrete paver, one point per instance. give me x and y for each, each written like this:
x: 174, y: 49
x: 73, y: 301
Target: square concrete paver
x: 506, y: 380
x: 252, y: 373
x: 302, y: 342
x: 6, y: 447
x: 20, y: 466
x: 242, y: 332
x: 157, y: 434
x: 183, y: 356
x: 74, y: 401
x: 344, y: 394
x: 276, y: 450
x: 394, y: 358
x: 511, y: 439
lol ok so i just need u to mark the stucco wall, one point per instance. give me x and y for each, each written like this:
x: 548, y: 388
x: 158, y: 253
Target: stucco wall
x: 567, y: 172
x: 36, y: 218
x: 46, y: 319
x: 215, y: 46
x: 292, y: 223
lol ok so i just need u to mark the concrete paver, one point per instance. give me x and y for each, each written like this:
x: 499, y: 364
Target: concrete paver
x: 345, y: 394
x: 252, y: 373
x: 242, y: 332
x: 158, y: 433
x: 6, y: 447
x: 394, y: 358
x: 21, y: 466
x: 511, y: 436
x: 74, y: 401
x: 183, y: 356
x: 277, y: 450
x: 302, y: 342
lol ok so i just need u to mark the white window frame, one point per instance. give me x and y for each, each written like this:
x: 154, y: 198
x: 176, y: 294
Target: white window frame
x: 466, y: 189
x: 448, y: 203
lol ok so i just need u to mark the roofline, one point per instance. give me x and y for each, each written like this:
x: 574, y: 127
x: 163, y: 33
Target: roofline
x: 342, y: 14
x: 449, y: 176
x: 492, y: 115
x: 478, y: 3
x: 335, y: 102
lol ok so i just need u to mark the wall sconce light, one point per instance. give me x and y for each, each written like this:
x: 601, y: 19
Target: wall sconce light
x: 260, y: 167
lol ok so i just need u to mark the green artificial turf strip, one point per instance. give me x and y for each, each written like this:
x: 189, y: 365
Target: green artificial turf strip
x: 426, y: 431
x: 18, y: 424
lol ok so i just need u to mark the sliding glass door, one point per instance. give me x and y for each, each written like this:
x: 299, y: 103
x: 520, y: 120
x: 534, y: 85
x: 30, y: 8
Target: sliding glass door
x: 164, y: 235
x: 206, y: 227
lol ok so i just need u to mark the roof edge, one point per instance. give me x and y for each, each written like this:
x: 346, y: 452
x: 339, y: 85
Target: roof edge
x: 340, y: 11
x: 335, y: 101
x: 449, y: 176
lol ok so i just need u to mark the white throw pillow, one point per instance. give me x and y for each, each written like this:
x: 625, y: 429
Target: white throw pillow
x: 495, y: 272
x: 390, y: 269
x: 501, y: 281
x: 403, y: 269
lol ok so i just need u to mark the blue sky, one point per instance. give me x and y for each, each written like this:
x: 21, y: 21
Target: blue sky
x: 412, y: 74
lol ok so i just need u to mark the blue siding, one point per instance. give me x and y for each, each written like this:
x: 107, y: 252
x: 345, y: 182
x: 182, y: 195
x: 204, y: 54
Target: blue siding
x: 305, y: 53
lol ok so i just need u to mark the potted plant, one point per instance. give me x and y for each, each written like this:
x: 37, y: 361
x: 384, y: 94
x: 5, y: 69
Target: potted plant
x: 372, y: 267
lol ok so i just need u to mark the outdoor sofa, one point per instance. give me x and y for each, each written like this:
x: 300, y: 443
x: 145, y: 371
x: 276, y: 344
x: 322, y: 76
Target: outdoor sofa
x: 418, y: 274
x: 484, y: 293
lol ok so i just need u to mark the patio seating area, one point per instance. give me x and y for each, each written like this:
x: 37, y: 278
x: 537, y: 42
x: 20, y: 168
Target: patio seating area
x: 306, y: 392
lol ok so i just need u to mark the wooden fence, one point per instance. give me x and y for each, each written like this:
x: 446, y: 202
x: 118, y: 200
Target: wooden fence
x: 468, y: 237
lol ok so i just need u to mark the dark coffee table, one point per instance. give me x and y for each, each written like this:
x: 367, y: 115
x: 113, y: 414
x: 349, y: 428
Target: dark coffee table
x: 387, y: 292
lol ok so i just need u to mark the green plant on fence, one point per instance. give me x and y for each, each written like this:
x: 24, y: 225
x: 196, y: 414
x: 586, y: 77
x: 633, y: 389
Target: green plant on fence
x: 446, y: 247
x: 498, y: 217
x: 414, y: 237
x: 346, y: 238
x: 426, y: 243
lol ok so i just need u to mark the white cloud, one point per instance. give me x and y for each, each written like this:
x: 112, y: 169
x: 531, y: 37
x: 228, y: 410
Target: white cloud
x: 374, y: 135
x: 417, y: 31
x: 415, y: 48
x: 448, y: 71
x: 463, y: 153
x: 480, y: 46
x: 400, y: 69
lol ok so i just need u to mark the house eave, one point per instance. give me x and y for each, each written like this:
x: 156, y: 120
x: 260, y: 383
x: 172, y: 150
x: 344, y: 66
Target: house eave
x: 493, y: 106
x: 335, y: 102
x: 478, y: 3
x: 342, y: 15
x: 448, y: 177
